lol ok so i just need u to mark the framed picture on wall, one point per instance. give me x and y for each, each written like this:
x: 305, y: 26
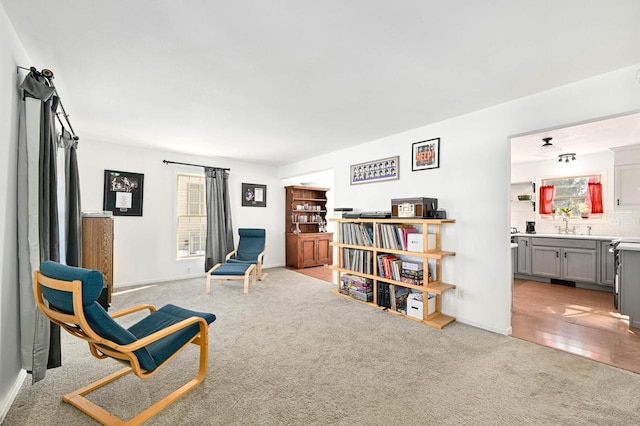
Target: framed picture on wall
x: 254, y: 195
x: 425, y: 155
x: 123, y: 193
x: 375, y: 171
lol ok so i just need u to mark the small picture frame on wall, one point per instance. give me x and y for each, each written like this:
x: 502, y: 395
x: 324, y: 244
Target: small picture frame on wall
x: 376, y: 171
x: 123, y: 193
x: 254, y: 195
x: 425, y: 155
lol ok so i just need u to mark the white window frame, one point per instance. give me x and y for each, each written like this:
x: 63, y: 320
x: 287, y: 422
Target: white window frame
x: 195, y: 243
x: 575, y: 211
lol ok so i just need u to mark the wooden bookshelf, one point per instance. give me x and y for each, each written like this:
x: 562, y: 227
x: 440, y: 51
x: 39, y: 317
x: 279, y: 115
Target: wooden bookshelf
x: 350, y: 234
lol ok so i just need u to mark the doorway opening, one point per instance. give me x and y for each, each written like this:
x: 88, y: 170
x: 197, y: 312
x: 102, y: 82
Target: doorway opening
x: 583, y: 319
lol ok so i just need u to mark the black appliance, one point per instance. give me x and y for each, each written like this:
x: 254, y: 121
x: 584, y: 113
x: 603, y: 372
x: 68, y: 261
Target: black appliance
x: 531, y: 228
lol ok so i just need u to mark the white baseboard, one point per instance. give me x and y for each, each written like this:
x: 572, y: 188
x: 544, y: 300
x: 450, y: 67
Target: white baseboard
x: 5, y: 405
x: 506, y: 331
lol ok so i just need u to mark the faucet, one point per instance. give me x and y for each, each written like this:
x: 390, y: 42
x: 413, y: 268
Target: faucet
x: 588, y: 230
x: 566, y: 224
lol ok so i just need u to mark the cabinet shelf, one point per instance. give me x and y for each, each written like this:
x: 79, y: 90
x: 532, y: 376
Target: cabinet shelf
x: 367, y: 256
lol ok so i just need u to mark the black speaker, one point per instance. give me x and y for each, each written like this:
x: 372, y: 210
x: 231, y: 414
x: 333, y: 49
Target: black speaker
x: 440, y: 214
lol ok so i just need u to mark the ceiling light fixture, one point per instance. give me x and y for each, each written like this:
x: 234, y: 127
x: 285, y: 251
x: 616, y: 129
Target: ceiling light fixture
x: 547, y: 149
x: 566, y: 157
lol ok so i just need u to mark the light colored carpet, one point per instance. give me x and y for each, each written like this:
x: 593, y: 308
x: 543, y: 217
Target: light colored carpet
x: 291, y: 353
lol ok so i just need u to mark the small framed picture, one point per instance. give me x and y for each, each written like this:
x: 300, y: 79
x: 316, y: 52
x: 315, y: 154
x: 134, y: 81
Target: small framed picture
x: 254, y: 195
x: 123, y: 193
x: 425, y: 155
x: 376, y: 171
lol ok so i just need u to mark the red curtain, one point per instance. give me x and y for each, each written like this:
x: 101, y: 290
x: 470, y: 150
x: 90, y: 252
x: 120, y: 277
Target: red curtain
x: 546, y: 199
x: 595, y: 195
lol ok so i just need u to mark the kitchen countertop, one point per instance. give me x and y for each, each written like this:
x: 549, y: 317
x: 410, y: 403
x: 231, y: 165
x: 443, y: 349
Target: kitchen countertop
x: 629, y: 246
x: 571, y: 236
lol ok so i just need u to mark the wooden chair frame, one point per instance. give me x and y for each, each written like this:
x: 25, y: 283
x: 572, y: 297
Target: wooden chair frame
x: 101, y: 348
x: 261, y: 276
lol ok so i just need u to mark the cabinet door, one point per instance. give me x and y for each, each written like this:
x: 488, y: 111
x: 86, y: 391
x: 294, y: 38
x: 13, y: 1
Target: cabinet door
x: 607, y: 264
x: 627, y: 186
x: 325, y: 254
x: 308, y: 251
x: 545, y: 261
x: 579, y: 265
x: 524, y: 256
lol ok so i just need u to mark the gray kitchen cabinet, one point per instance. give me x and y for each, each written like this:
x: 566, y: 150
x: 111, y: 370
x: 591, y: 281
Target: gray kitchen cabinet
x: 524, y: 255
x: 566, y: 259
x: 629, y: 290
x: 545, y: 261
x: 579, y: 265
x: 607, y: 265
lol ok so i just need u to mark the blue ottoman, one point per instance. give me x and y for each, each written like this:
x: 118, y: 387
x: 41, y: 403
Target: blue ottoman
x: 232, y: 271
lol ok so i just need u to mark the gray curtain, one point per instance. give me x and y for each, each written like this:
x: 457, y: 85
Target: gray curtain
x: 219, y: 228
x: 38, y: 238
x: 73, y: 216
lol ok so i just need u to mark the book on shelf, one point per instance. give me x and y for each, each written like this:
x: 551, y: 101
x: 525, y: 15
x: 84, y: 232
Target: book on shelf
x: 400, y: 299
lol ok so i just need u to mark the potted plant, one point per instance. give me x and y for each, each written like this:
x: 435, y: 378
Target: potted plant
x: 584, y: 211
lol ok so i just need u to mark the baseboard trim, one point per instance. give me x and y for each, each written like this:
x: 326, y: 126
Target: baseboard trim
x: 505, y: 331
x: 4, y: 408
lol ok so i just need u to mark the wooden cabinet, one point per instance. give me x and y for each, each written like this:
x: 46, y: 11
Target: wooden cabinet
x: 307, y: 242
x: 523, y: 263
x: 363, y: 243
x: 309, y: 249
x: 97, y: 248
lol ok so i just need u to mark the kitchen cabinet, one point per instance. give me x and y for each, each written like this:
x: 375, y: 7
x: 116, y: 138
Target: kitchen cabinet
x: 607, y: 264
x: 627, y: 186
x: 626, y: 160
x: 523, y: 264
x: 565, y: 259
x: 629, y: 291
x: 309, y: 249
x: 545, y: 262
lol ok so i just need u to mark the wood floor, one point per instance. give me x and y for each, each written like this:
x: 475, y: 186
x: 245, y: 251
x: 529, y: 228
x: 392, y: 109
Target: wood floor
x: 582, y: 322
x: 578, y: 321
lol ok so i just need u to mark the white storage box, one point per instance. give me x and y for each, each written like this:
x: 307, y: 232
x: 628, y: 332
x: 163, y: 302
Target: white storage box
x: 415, y: 242
x: 415, y: 306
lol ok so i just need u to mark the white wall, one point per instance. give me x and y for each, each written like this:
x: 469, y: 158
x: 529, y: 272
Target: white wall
x: 12, y: 54
x: 144, y: 247
x: 473, y: 182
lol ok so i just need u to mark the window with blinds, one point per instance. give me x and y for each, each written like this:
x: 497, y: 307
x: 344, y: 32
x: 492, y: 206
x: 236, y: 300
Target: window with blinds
x: 191, y: 216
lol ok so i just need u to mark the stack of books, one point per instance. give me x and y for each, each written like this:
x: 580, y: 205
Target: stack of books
x: 357, y: 287
x: 412, y: 273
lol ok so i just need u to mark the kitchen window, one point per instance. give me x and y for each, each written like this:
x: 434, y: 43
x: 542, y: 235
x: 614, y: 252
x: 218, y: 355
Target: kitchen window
x: 572, y: 196
x: 191, y: 210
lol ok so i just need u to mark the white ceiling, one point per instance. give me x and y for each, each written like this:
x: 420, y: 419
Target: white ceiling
x: 277, y: 81
x: 584, y: 138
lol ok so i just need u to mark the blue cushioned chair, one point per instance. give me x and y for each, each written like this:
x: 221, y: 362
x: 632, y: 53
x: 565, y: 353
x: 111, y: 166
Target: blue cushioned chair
x: 68, y: 297
x: 251, y: 249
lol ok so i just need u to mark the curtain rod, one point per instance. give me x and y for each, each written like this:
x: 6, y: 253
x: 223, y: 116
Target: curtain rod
x: 48, y: 74
x: 194, y: 165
